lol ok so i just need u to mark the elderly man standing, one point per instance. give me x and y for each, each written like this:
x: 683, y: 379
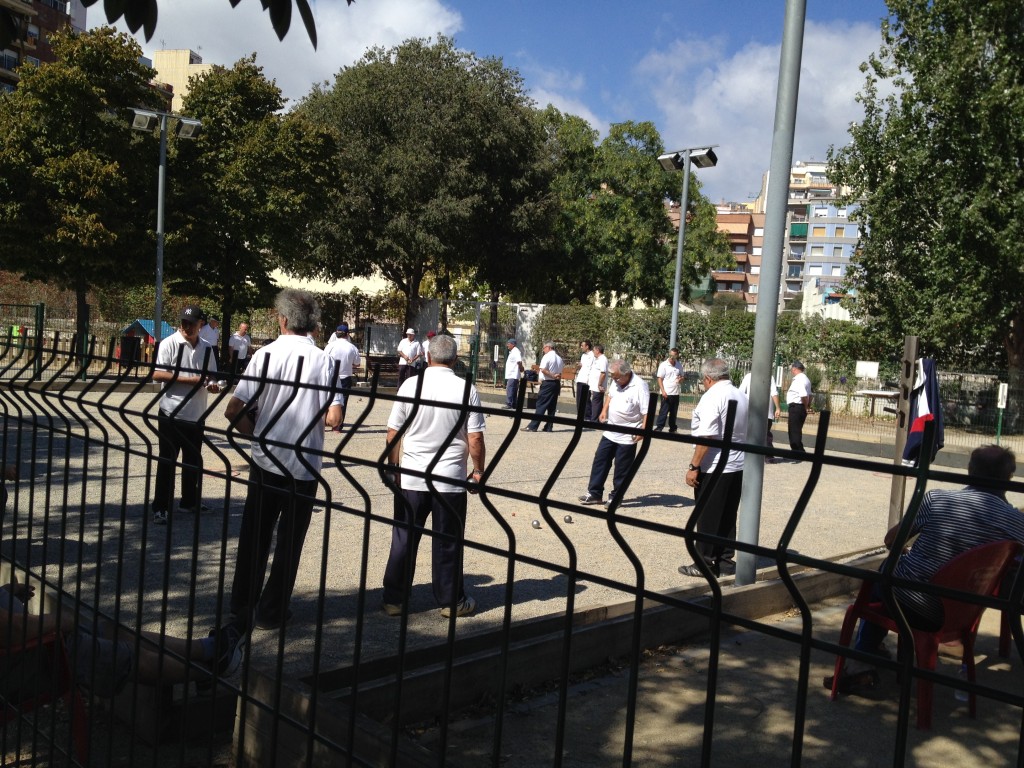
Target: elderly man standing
x: 426, y: 436
x: 547, y: 399
x: 288, y: 390
x: 720, y: 500
x: 409, y: 351
x: 798, y: 402
x: 239, y: 343
x: 583, y: 372
x: 186, y: 366
x: 345, y: 358
x: 625, y: 406
x: 513, y: 372
x: 670, y: 374
x: 597, y: 382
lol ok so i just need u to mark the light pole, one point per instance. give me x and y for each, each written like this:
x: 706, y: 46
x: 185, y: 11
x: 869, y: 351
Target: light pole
x: 702, y: 157
x: 188, y: 128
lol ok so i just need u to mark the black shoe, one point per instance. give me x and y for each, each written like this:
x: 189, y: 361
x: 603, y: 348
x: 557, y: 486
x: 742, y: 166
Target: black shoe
x: 549, y: 429
x: 272, y: 623
x: 855, y: 683
x: 528, y: 429
x: 591, y: 498
x: 725, y: 568
x: 695, y: 572
x: 231, y: 643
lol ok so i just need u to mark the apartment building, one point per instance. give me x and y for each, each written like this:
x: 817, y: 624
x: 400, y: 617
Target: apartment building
x: 745, y: 232
x: 174, y: 68
x: 35, y: 21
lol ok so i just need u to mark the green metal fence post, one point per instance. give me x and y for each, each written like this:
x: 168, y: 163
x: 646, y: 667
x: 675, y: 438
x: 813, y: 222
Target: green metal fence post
x: 37, y: 364
x: 474, y: 355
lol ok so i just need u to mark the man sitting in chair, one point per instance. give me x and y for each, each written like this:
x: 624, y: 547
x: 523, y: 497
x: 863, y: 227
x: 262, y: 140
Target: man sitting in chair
x: 948, y: 524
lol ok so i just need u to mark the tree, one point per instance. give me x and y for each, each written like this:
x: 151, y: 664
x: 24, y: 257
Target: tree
x: 142, y: 14
x: 611, y: 234
x: 247, y: 190
x: 76, y: 179
x: 936, y: 168
x: 437, y: 152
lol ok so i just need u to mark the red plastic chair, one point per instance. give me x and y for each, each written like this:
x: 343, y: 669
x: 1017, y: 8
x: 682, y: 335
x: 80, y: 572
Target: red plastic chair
x: 978, y: 571
x: 60, y: 686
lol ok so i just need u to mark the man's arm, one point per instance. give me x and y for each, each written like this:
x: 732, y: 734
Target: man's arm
x: 477, y: 453
x: 245, y: 424
x: 394, y: 447
x: 778, y: 407
x: 661, y: 386
x: 698, y: 456
x: 334, y: 416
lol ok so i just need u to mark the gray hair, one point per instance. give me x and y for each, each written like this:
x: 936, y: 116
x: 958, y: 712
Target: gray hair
x: 443, y: 350
x: 599, y: 348
x: 715, y: 369
x: 548, y: 344
x: 622, y: 367
x: 300, y: 308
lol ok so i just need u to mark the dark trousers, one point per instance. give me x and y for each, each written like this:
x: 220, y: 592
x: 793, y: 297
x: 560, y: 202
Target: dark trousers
x: 185, y: 437
x: 272, y: 500
x: 411, y: 511
x: 719, y: 514
x: 596, y: 406
x: 404, y: 372
x: 607, y: 453
x: 511, y: 388
x: 870, y: 636
x: 797, y: 417
x: 547, y: 402
x: 669, y: 408
x: 582, y: 391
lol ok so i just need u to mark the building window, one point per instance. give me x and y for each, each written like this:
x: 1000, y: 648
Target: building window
x: 818, y: 231
x: 837, y: 251
x: 841, y: 213
x: 755, y: 270
x: 757, y: 250
x: 6, y: 88
x: 739, y: 248
x: 32, y: 34
x: 758, y: 231
x: 837, y: 270
x: 840, y: 231
x: 57, y: 5
x: 794, y: 272
x: 818, y: 250
x: 32, y: 60
x: 753, y: 289
x: 8, y: 60
x: 814, y: 269
x: 820, y: 212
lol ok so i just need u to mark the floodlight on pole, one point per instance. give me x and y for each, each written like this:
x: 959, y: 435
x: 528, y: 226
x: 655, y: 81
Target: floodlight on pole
x: 701, y: 157
x: 188, y: 128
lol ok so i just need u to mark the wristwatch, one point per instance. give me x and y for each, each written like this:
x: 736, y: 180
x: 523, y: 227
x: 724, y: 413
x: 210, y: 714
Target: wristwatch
x: 693, y: 468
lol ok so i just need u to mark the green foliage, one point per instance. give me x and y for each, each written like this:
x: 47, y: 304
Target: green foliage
x: 935, y: 166
x: 77, y: 181
x: 436, y: 168
x: 245, y: 190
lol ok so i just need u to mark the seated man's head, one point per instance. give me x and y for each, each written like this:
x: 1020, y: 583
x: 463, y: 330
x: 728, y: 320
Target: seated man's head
x: 992, y: 462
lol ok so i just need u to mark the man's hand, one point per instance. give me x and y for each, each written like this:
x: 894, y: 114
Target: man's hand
x: 693, y: 478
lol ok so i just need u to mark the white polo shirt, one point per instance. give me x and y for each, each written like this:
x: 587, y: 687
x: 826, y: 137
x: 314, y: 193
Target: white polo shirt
x: 709, y: 421
x: 344, y: 356
x: 194, y: 360
x: 431, y: 426
x: 600, y: 366
x: 515, y: 357
x: 671, y: 374
x: 586, y: 362
x: 744, y: 387
x: 799, y: 387
x: 553, y: 363
x: 627, y: 407
x: 297, y: 405
x: 240, y: 344
x: 410, y: 348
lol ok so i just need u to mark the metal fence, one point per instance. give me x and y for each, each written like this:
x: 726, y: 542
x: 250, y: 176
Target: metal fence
x: 579, y: 605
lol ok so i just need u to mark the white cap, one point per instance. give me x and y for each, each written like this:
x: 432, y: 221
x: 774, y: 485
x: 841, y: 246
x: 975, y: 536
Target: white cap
x: 410, y: 330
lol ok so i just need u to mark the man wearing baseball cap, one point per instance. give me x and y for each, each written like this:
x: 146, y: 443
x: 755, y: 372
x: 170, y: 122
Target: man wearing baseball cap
x: 186, y: 366
x: 344, y: 357
x: 798, y: 401
x: 409, y: 351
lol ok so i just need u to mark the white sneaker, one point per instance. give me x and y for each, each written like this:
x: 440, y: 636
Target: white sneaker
x: 464, y: 608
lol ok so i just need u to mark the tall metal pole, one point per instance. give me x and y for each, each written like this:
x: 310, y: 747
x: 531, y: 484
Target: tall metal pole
x: 679, y: 249
x: 158, y: 321
x: 771, y: 278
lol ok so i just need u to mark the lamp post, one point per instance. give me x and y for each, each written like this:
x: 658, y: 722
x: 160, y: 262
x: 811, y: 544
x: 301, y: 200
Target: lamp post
x: 702, y: 157
x: 188, y: 128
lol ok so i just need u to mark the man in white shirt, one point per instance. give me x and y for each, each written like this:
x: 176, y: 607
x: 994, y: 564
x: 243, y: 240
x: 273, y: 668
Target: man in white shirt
x: 513, y: 372
x: 798, y: 403
x: 210, y: 331
x: 719, y: 501
x: 550, y: 371
x: 418, y: 433
x: 597, y: 383
x: 345, y: 359
x: 625, y: 406
x: 426, y: 345
x: 239, y: 343
x: 287, y: 454
x: 774, y: 410
x: 409, y: 351
x: 670, y: 374
x: 187, y: 367
x: 583, y: 372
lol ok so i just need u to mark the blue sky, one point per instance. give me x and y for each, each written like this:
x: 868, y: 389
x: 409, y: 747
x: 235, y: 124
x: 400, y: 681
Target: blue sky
x: 703, y: 71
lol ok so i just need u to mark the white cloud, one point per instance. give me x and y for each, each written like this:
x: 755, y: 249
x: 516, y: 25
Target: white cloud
x: 731, y: 101
x: 222, y: 34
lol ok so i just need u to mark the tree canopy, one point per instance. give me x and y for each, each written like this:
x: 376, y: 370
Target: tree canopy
x: 77, y: 181
x: 245, y: 190
x: 437, y: 157
x: 936, y: 168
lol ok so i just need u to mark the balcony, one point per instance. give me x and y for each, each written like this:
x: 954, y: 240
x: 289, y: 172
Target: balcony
x: 798, y: 230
